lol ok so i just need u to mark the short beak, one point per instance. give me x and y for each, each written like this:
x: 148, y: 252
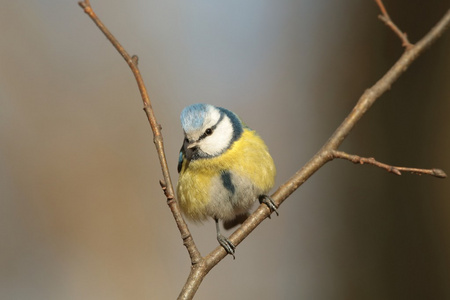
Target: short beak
x: 190, y: 149
x: 192, y: 145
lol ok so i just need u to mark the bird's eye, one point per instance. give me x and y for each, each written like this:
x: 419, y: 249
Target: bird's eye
x: 208, y: 131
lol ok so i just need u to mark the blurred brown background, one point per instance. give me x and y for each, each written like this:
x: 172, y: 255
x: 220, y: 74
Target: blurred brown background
x: 82, y: 215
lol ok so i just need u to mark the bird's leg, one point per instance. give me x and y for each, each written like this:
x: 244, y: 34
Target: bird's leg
x: 269, y: 202
x: 223, y: 241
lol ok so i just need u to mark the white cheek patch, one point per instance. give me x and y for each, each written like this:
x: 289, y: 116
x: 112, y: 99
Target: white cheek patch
x: 220, y: 139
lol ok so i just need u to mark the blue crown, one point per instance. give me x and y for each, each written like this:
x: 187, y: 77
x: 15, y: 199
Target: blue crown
x: 193, y: 116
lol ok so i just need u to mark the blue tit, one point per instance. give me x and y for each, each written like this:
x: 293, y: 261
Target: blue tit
x: 224, y: 166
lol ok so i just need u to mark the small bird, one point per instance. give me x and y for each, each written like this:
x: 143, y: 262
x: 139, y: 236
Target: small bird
x: 224, y: 166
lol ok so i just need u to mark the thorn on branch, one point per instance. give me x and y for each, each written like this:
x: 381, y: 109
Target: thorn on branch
x: 439, y: 173
x: 166, y: 191
x: 391, y: 169
x: 84, y: 4
x: 163, y: 185
x: 394, y: 170
x: 135, y: 59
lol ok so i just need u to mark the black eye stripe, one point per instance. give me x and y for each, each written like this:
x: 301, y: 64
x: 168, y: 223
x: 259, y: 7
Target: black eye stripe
x: 208, y: 132
x: 211, y: 129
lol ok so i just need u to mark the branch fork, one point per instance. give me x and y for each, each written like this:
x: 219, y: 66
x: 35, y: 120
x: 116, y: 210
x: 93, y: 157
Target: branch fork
x: 387, y: 20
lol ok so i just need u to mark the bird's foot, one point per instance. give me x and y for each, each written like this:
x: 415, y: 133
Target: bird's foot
x: 269, y: 202
x: 226, y: 244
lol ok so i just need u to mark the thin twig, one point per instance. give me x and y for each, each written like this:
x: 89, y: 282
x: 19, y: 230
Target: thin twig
x: 391, y: 169
x: 387, y: 20
x: 166, y: 184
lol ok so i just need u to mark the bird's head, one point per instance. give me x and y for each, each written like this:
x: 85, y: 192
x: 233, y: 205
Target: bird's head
x: 208, y: 130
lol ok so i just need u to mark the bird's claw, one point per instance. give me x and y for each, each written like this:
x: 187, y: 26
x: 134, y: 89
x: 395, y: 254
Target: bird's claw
x: 226, y: 244
x: 269, y: 202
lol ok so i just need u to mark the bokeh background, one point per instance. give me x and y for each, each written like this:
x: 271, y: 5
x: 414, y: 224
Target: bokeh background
x: 82, y: 215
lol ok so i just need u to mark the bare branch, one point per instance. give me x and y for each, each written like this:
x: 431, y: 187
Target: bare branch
x: 166, y: 184
x: 201, y: 266
x: 387, y: 20
x: 324, y: 155
x: 391, y: 169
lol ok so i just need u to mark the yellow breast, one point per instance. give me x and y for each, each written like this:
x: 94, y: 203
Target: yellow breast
x: 247, y: 157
